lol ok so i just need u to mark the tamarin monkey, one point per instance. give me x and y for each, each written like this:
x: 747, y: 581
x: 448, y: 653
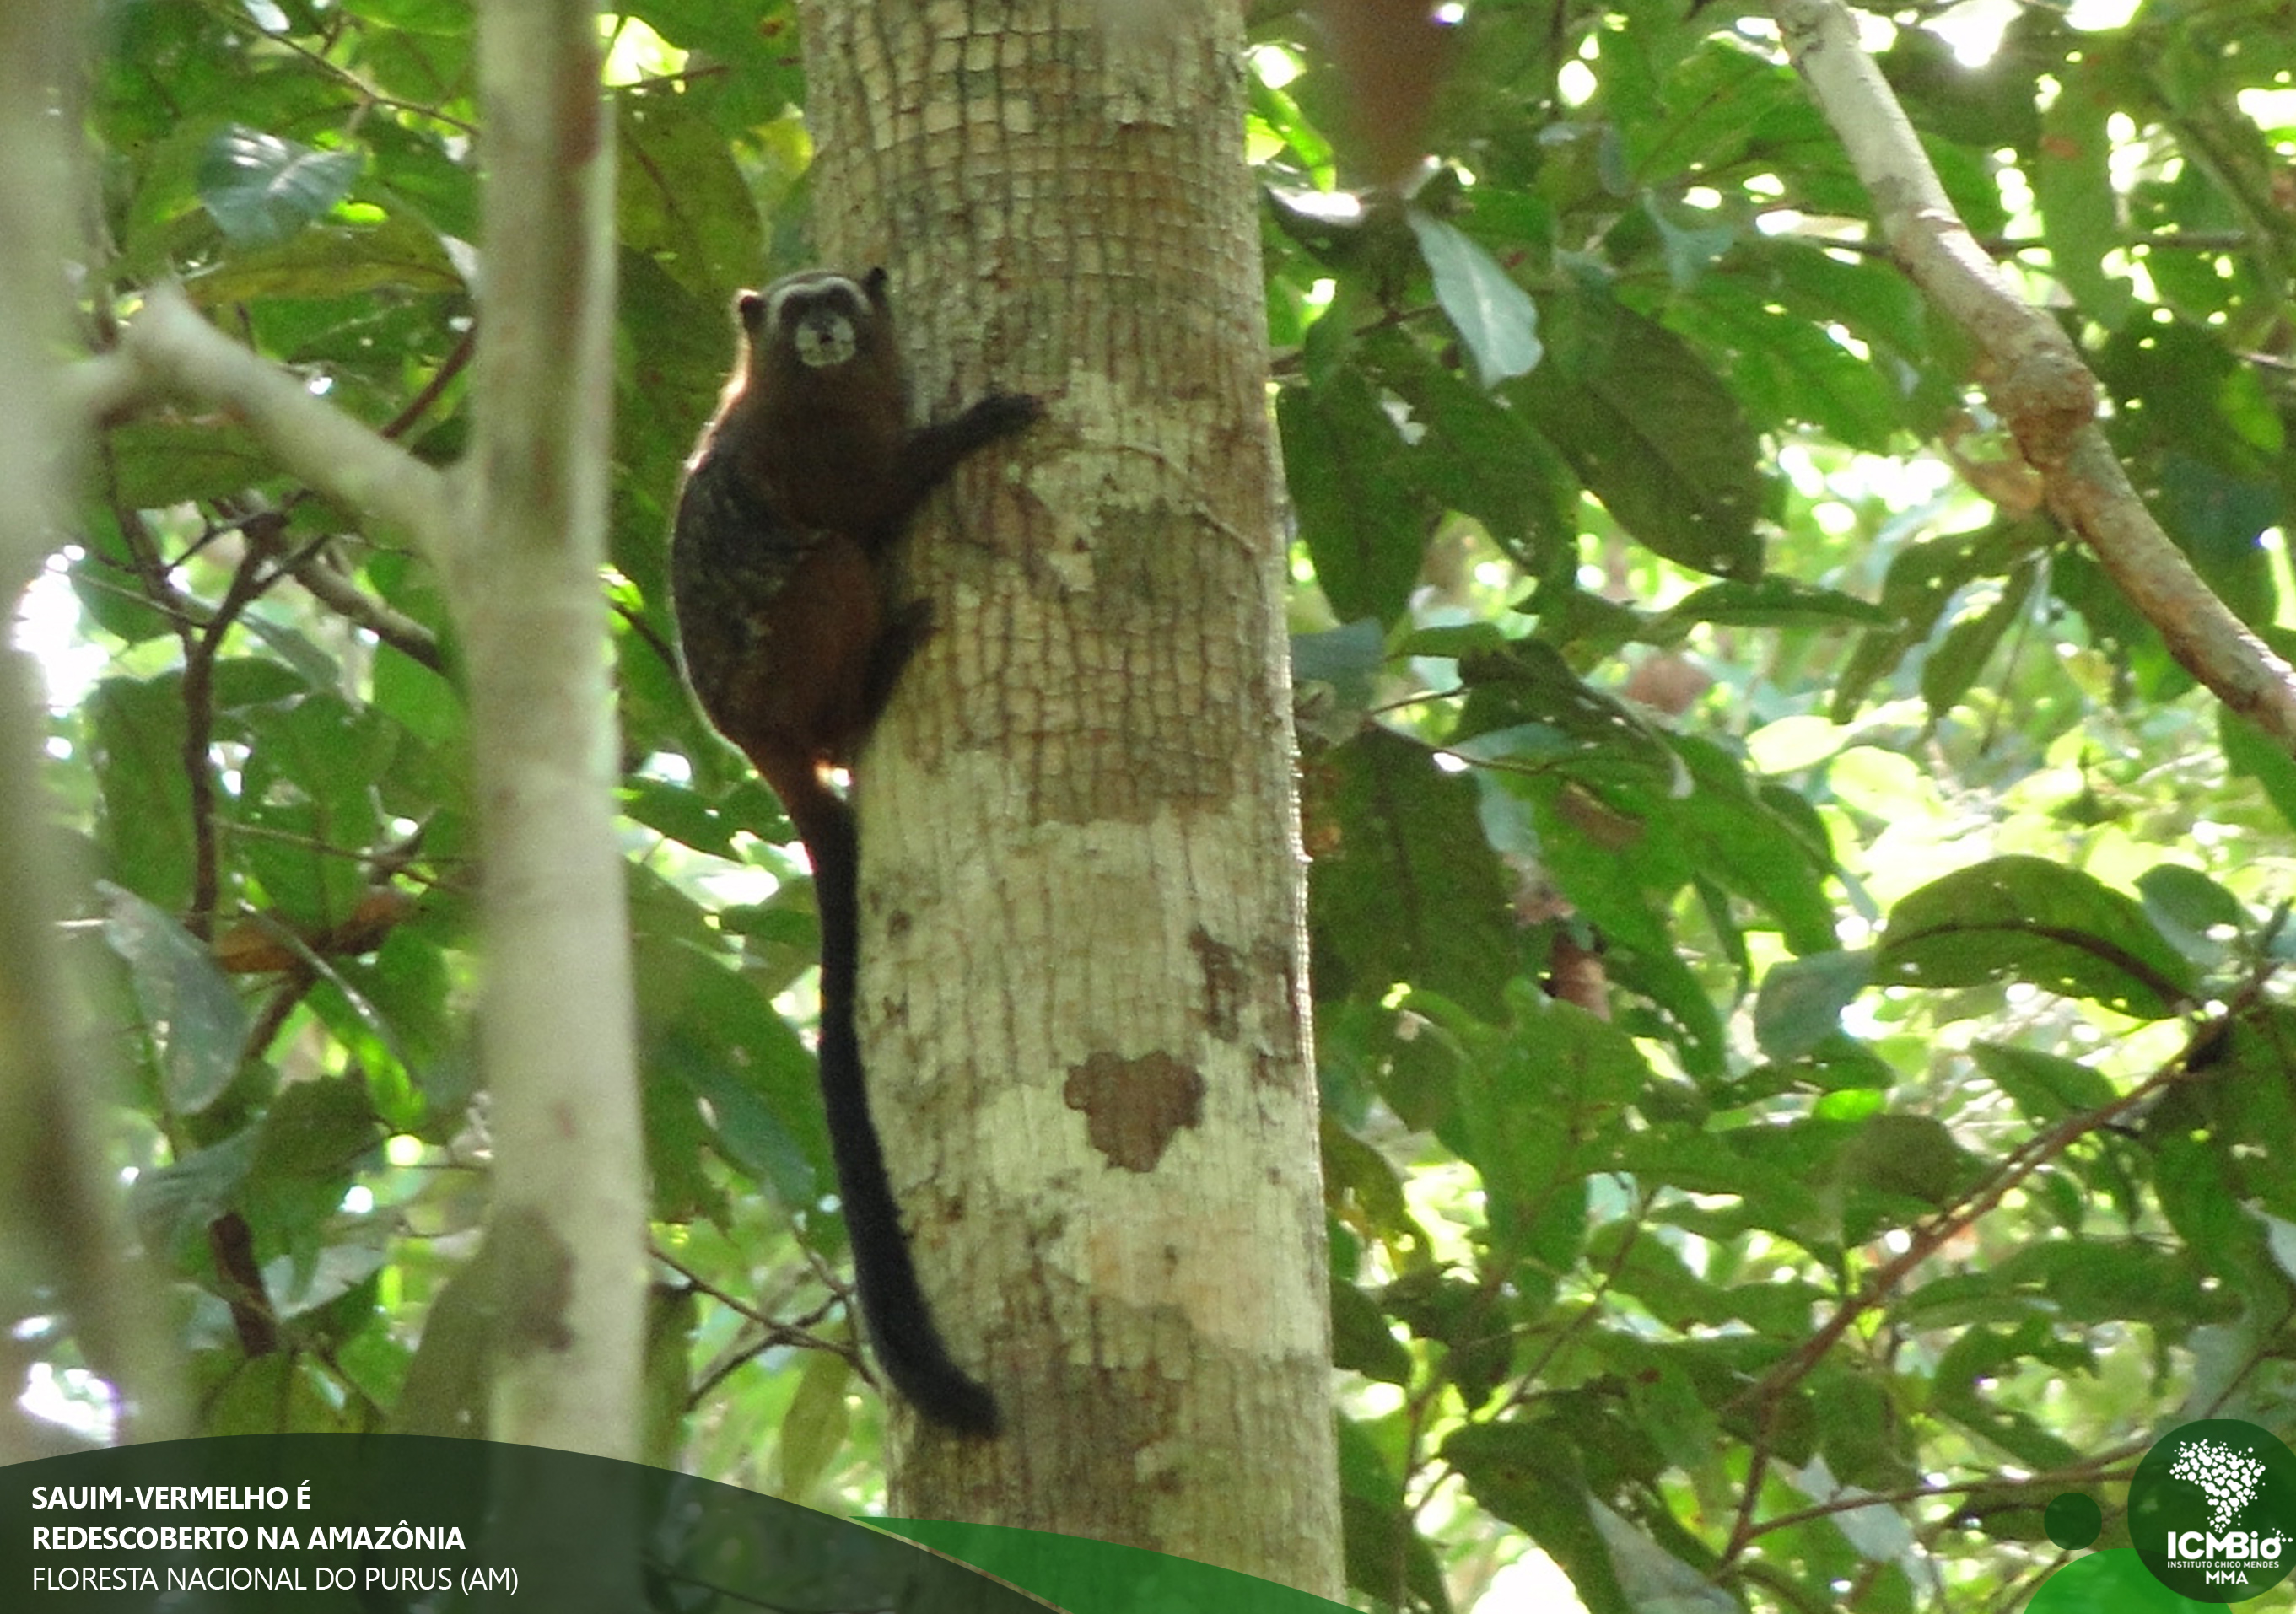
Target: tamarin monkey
x: 782, y: 578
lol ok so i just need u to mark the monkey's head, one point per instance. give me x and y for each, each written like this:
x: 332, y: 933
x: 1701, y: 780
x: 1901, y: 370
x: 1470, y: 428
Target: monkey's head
x: 819, y: 326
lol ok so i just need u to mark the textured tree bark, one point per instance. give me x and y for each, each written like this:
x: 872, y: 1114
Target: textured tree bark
x: 568, y: 1232
x: 60, y: 1223
x: 1084, y: 975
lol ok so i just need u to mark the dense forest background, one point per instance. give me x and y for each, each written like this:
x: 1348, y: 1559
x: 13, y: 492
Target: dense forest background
x: 1807, y: 1076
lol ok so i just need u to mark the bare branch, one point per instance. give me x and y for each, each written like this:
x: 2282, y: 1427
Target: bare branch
x: 557, y: 1034
x: 342, y: 457
x: 2033, y: 373
x: 314, y: 569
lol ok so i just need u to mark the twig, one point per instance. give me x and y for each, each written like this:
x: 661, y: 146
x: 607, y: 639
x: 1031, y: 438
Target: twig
x: 340, y: 456
x: 247, y: 584
x: 2033, y: 373
x: 314, y: 569
x: 449, y: 367
x: 1924, y: 1241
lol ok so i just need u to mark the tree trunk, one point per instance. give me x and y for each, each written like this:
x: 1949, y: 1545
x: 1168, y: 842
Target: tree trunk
x: 60, y: 1226
x: 1083, y: 988
x: 569, y: 1225
x: 517, y: 533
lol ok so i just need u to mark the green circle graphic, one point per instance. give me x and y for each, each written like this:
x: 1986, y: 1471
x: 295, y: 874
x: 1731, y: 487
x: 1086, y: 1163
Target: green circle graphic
x: 2212, y: 1511
x: 2073, y: 1521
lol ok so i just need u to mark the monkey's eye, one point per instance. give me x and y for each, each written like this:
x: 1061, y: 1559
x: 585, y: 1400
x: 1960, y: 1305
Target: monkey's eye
x: 823, y: 338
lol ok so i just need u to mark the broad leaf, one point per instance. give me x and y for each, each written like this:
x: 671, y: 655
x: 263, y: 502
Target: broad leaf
x: 2021, y: 918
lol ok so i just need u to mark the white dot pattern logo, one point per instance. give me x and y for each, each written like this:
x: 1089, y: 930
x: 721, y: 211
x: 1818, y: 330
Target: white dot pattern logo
x: 2228, y: 1478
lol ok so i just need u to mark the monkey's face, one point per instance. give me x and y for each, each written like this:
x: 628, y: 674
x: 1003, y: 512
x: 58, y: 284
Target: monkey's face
x: 820, y: 331
x: 820, y: 319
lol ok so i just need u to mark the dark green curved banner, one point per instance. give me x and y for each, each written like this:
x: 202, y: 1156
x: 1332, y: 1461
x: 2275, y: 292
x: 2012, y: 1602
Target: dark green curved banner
x: 401, y: 1524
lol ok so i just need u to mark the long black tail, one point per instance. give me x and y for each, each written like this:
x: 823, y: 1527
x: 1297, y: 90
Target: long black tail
x: 900, y: 1323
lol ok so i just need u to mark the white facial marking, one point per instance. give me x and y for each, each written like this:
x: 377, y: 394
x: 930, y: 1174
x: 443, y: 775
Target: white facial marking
x: 823, y: 338
x: 821, y: 327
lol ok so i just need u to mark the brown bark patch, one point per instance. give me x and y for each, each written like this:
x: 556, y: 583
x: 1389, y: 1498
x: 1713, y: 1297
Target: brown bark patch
x: 1224, y: 983
x: 1133, y: 1108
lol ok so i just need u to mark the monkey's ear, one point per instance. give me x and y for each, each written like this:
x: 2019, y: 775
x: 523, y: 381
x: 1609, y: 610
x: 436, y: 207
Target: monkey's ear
x: 749, y: 307
x: 873, y: 283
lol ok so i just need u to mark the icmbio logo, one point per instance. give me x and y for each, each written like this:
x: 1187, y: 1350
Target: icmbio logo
x: 2212, y: 1511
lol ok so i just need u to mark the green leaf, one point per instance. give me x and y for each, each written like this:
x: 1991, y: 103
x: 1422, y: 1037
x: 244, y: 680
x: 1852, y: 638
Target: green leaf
x: 309, y: 1142
x: 1959, y: 658
x: 2023, y: 918
x: 673, y: 1329
x: 100, y: 574
x: 1387, y: 1558
x: 343, y: 1266
x: 307, y: 789
x: 1921, y: 583
x: 260, y: 188
x: 243, y: 681
x: 1349, y: 659
x: 819, y: 1423
x: 1361, y: 1341
x: 1787, y: 370
x: 1408, y: 888
x: 415, y: 16
x: 1801, y: 1000
x: 1914, y: 1157
x: 1493, y: 316
x: 427, y: 66
x: 681, y: 199
x: 400, y: 255
x: 1741, y: 842
x: 2204, y: 1205
x: 144, y: 803
x: 2218, y: 518
x: 2249, y: 751
x: 1868, y: 296
x: 682, y: 813
x: 2092, y: 1282
x: 1478, y: 455
x: 2046, y: 1087
x: 421, y: 702
x: 157, y: 462
x: 188, y: 1003
x: 2072, y: 186
x: 675, y: 1135
x: 1862, y: 1433
x: 1534, y: 1103
x: 173, y: 1204
x: 1529, y: 1476
x: 1651, y: 432
x: 1366, y: 529
x: 1768, y: 1169
x: 415, y: 172
x: 2189, y: 900
x: 1772, y: 601
x: 1974, y: 1363
x: 1526, y: 703
x: 709, y: 1031
x: 446, y: 1383
x: 755, y: 44
x: 1987, y: 107
x: 2256, y: 1111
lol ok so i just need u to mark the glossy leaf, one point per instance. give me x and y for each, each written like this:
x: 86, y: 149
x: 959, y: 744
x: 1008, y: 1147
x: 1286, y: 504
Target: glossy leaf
x: 1493, y: 316
x: 1651, y: 432
x: 1400, y: 891
x: 1360, y: 518
x: 261, y: 189
x: 189, y: 1006
x: 2021, y: 918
